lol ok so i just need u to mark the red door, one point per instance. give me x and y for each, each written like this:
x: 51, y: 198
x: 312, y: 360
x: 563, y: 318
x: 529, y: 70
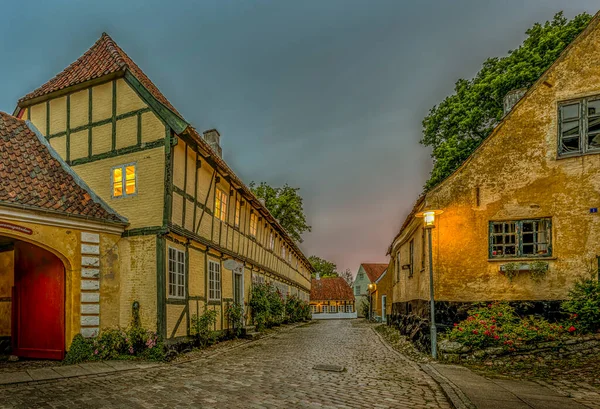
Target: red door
x: 38, y: 303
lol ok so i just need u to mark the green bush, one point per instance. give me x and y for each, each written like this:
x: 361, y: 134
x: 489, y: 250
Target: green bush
x: 80, y: 350
x: 276, y: 306
x: 235, y: 316
x: 259, y: 305
x: 584, y: 306
x: 497, y: 325
x: 202, y: 327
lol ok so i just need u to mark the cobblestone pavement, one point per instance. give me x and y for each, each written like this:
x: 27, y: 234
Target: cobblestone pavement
x: 270, y: 373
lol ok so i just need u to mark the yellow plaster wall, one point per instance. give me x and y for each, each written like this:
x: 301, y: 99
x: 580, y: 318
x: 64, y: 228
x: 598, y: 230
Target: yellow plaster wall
x: 138, y: 279
x: 196, y: 274
x: 79, y: 108
x: 519, y: 177
x: 110, y: 282
x: 126, y: 132
x: 79, y: 144
x: 38, y: 118
x: 152, y: 128
x: 127, y: 98
x: 144, y: 209
x: 58, y: 115
x: 102, y: 97
x: 60, y: 145
x: 101, y: 139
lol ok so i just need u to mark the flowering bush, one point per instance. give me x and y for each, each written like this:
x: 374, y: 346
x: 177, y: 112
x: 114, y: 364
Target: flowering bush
x: 584, y: 306
x: 296, y: 309
x: 497, y: 325
x: 202, y: 327
x: 116, y: 344
x: 235, y: 316
x: 269, y: 308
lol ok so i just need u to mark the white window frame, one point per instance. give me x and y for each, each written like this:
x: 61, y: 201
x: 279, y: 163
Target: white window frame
x: 124, y: 179
x: 176, y: 270
x: 271, y: 241
x: 324, y: 309
x: 348, y: 307
x: 214, y: 280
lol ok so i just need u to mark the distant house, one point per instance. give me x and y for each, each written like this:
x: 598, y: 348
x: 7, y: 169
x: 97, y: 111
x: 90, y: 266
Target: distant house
x: 368, y: 273
x: 381, y: 296
x: 331, y: 298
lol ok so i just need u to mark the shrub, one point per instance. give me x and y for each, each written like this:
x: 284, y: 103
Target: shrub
x: 296, y: 309
x: 201, y: 327
x: 584, y: 306
x: 259, y: 305
x: 80, y: 351
x: 235, y: 316
x: 497, y: 325
x: 276, y: 306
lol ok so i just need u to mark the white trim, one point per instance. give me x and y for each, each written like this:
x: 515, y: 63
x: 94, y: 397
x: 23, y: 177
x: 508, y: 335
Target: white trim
x: 27, y: 216
x: 381, y: 276
x: 176, y: 272
x: 219, y: 281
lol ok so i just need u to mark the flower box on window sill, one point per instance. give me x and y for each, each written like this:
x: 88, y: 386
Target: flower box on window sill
x: 537, y: 268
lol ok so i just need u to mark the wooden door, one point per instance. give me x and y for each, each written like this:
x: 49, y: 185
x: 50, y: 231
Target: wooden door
x: 38, y: 304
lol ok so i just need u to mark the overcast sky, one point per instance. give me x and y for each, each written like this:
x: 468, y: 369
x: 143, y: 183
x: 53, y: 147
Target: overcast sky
x: 326, y: 95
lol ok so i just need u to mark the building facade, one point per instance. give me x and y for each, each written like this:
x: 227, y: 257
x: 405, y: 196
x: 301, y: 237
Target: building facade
x: 524, y: 203
x: 186, y: 210
x: 381, y: 297
x: 366, y: 275
x: 331, y: 298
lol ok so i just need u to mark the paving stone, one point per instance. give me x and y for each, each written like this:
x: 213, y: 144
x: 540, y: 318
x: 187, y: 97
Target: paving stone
x: 71, y: 370
x: 42, y: 374
x: 272, y: 372
x: 12, y: 377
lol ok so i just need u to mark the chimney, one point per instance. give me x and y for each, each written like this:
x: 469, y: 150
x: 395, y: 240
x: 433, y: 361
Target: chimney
x: 511, y: 98
x: 213, y: 138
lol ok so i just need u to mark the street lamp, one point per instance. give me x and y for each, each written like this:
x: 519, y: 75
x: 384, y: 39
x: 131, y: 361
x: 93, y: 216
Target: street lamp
x: 429, y: 224
x: 371, y: 289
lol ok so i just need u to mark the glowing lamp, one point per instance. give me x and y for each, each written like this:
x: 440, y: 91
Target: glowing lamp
x: 429, y: 217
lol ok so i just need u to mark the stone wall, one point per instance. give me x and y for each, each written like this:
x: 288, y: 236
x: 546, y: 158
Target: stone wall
x: 544, y: 351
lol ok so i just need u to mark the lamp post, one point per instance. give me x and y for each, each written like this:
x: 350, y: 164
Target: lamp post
x: 429, y: 224
x: 371, y: 288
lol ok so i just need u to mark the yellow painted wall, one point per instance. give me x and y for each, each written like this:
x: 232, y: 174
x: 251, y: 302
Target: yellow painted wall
x: 65, y: 243
x: 138, y: 279
x: 144, y: 209
x: 519, y: 177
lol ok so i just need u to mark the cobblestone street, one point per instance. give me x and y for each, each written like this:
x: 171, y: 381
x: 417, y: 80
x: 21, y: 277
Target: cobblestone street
x: 273, y: 373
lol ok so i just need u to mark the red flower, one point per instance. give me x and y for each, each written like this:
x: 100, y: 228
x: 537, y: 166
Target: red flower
x: 460, y: 329
x: 572, y: 329
x: 455, y: 324
x: 475, y: 332
x: 496, y: 337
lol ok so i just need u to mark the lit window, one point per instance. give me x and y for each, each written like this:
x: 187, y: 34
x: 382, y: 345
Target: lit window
x: 579, y: 130
x: 220, y: 205
x: 238, y: 208
x: 253, y: 224
x: 522, y: 238
x: 124, y: 180
x: 176, y: 273
x: 214, y: 280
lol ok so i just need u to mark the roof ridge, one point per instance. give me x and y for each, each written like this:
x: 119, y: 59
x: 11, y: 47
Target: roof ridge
x: 114, y: 49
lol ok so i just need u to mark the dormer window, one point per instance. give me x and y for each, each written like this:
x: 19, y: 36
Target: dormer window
x: 579, y: 126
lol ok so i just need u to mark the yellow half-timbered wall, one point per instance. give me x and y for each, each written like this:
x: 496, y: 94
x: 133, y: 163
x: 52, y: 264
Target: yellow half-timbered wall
x: 206, y: 235
x: 106, y: 125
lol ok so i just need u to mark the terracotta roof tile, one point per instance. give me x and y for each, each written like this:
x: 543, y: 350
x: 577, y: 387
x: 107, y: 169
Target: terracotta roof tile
x: 31, y: 177
x: 103, y: 58
x: 374, y: 270
x: 330, y: 288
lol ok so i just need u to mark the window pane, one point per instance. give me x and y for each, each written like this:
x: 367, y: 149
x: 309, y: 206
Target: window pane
x: 117, y: 175
x: 118, y: 189
x: 570, y: 111
x: 130, y: 172
x: 593, y: 107
x: 570, y: 129
x: 130, y: 187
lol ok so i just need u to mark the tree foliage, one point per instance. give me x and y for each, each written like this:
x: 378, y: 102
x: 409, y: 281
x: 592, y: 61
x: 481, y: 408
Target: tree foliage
x: 285, y: 204
x: 347, y: 276
x: 324, y: 267
x: 458, y: 125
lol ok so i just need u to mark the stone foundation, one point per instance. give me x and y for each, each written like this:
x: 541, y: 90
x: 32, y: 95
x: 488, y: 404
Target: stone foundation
x: 5, y: 347
x: 544, y: 351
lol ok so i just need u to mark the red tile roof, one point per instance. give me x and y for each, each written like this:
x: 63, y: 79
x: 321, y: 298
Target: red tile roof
x: 374, y: 270
x: 330, y: 288
x: 103, y: 58
x: 31, y: 176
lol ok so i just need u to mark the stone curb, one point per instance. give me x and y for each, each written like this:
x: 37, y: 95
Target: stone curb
x: 453, y: 393
x: 59, y: 377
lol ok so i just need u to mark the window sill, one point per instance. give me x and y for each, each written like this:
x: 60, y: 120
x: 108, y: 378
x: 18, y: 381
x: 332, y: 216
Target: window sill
x: 508, y: 260
x: 214, y: 302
